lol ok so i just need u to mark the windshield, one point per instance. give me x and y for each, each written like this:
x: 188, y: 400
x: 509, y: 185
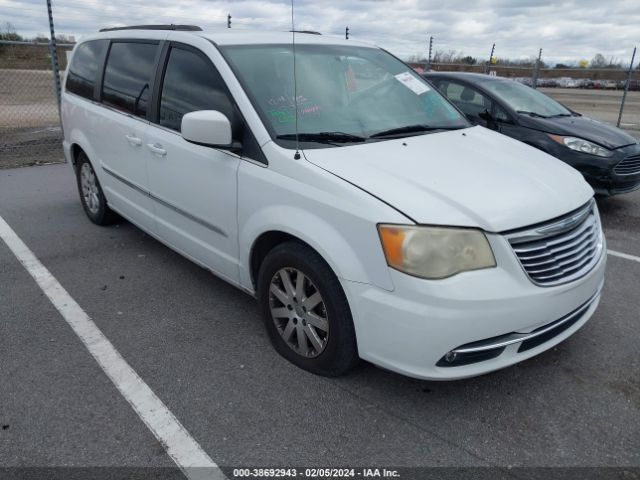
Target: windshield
x: 525, y: 99
x: 345, y: 94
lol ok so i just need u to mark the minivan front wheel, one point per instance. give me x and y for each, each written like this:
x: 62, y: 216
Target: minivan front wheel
x: 91, y: 194
x: 305, y: 310
x: 299, y: 312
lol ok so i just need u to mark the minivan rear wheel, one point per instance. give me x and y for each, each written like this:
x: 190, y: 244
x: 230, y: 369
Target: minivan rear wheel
x: 305, y: 310
x: 91, y: 194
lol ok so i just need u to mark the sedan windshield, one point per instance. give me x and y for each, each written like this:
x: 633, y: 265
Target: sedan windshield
x: 344, y: 94
x: 525, y: 99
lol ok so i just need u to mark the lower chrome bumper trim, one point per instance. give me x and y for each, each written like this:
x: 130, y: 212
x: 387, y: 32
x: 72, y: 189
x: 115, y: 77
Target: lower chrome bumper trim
x: 511, y: 338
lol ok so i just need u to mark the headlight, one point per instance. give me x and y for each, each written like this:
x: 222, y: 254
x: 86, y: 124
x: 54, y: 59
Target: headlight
x: 580, y: 145
x: 435, y: 252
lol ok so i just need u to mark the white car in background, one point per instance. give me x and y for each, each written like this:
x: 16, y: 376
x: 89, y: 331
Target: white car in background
x: 364, y: 212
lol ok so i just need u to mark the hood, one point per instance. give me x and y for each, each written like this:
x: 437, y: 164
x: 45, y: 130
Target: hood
x: 472, y: 177
x: 582, y: 127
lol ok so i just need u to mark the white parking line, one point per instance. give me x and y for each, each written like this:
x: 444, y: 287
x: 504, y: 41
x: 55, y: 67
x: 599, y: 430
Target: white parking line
x: 624, y: 255
x: 180, y: 446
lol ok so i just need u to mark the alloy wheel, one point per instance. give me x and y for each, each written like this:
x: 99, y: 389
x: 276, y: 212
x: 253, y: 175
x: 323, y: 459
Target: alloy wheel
x: 299, y: 312
x: 90, y: 191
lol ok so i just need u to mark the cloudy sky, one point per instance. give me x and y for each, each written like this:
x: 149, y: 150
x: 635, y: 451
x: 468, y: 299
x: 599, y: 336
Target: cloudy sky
x: 566, y: 30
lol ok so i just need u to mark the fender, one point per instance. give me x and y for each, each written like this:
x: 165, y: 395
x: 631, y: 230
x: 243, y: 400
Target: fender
x: 321, y: 235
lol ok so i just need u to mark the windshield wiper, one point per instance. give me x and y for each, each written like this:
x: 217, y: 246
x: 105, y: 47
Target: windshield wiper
x: 557, y: 115
x: 410, y: 129
x: 323, y: 137
x: 533, y: 114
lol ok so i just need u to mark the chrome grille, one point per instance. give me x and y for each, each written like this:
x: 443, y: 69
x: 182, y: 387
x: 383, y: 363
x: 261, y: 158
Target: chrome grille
x: 561, y: 250
x: 628, y: 166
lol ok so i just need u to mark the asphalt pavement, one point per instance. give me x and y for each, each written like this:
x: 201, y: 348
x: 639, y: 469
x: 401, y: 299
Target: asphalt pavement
x: 201, y: 347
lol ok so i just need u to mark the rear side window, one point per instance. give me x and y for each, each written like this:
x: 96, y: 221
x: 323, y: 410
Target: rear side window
x: 127, y: 76
x: 192, y: 83
x: 83, y: 71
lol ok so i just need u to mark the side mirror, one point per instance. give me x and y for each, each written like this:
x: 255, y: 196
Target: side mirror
x: 486, y: 116
x: 207, y: 127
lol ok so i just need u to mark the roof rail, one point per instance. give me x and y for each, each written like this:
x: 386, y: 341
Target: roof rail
x: 186, y: 28
x: 310, y: 32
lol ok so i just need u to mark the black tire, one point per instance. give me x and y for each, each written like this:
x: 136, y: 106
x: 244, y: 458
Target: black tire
x: 103, y: 215
x: 340, y: 353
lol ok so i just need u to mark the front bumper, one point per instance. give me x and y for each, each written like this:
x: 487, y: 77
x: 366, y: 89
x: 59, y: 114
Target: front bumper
x: 412, y: 329
x: 613, y: 187
x: 601, y: 172
x: 495, y: 346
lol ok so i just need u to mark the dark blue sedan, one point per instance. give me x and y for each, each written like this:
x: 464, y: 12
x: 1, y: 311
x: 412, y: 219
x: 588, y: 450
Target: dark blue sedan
x: 608, y: 157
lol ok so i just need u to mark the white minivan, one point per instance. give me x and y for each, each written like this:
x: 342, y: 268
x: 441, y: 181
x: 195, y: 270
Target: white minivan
x: 334, y: 184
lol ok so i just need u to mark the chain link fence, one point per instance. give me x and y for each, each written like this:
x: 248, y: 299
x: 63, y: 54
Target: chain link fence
x: 30, y: 130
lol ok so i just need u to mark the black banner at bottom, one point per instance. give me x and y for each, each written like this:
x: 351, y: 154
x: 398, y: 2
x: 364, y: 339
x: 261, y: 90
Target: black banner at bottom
x: 268, y: 473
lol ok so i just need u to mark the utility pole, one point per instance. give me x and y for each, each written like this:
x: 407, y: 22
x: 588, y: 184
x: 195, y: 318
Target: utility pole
x: 430, y: 51
x: 493, y: 48
x: 346, y: 33
x: 626, y: 87
x: 228, y: 20
x: 536, y: 70
x: 54, y: 57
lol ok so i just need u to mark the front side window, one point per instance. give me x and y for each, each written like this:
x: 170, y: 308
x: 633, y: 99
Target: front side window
x: 525, y: 99
x: 127, y: 76
x: 191, y: 83
x: 500, y: 114
x: 87, y: 60
x: 346, y: 93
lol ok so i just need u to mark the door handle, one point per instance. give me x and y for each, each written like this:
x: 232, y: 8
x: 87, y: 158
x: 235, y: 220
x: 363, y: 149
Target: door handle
x: 133, y: 140
x: 157, y: 149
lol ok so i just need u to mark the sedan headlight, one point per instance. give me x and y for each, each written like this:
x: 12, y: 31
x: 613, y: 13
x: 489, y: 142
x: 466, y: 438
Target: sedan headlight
x: 435, y: 252
x: 580, y: 145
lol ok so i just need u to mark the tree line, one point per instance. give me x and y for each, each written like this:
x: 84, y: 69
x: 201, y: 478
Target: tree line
x: 454, y: 57
x: 8, y: 33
